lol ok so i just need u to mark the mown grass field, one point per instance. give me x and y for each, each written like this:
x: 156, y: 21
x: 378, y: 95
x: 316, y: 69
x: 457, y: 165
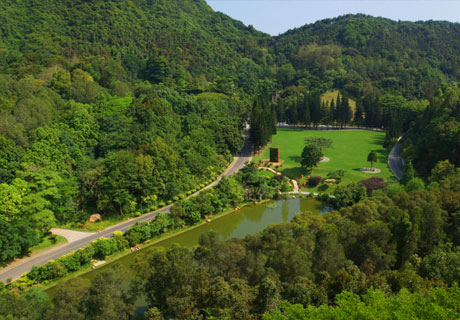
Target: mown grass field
x: 349, y: 152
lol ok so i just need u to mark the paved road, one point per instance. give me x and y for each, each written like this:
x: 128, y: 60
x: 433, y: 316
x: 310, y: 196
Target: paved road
x: 395, y: 160
x: 326, y: 128
x: 15, y: 270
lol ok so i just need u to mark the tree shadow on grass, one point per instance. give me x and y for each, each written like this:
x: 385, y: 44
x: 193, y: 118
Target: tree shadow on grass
x: 379, y: 140
x: 294, y: 172
x: 294, y: 158
x: 381, y: 155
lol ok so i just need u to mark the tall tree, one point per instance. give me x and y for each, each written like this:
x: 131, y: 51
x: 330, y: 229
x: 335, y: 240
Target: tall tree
x: 310, y: 157
x: 372, y: 157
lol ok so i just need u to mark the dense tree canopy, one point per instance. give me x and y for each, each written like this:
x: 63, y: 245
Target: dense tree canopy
x: 120, y: 107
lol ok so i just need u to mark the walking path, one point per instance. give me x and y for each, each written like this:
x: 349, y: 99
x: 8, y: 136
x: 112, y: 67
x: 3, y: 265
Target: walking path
x: 80, y: 239
x: 296, y: 186
x: 271, y: 170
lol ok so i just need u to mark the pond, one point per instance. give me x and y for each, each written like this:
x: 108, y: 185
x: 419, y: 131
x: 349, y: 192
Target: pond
x: 238, y: 224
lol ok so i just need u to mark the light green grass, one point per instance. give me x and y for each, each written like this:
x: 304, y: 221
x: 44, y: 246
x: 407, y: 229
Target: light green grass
x: 328, y: 96
x: 349, y: 152
x: 46, y: 244
x: 265, y: 173
x: 96, y: 226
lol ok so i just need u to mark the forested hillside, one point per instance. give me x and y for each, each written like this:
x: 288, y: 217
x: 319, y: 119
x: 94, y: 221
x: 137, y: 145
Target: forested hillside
x: 363, y: 54
x: 115, y: 107
x: 189, y: 34
x: 119, y: 107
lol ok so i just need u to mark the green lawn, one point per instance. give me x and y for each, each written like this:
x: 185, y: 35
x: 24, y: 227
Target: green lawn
x: 349, y: 152
x: 266, y: 173
x: 47, y: 243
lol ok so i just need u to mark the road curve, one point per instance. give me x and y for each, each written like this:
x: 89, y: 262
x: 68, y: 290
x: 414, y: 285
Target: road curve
x: 395, y: 160
x: 18, y: 268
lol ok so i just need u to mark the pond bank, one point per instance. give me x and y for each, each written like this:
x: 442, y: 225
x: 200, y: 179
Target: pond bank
x: 235, y: 224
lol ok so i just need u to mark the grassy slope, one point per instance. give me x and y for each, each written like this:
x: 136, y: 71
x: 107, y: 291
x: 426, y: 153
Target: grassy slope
x: 328, y: 96
x: 348, y: 153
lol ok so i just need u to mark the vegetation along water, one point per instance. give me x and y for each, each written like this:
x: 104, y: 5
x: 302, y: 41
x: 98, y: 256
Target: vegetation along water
x: 238, y: 224
x: 110, y: 109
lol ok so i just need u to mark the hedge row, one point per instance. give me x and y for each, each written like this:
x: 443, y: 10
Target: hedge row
x: 101, y: 248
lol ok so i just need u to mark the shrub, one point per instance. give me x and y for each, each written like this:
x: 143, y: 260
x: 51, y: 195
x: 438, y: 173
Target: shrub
x: 161, y: 224
x: 121, y: 241
x: 175, y: 198
x: 138, y: 233
x: 104, y: 247
x: 192, y: 218
x: 348, y: 195
x: 161, y: 204
x: 415, y: 184
x: 336, y: 175
x: 49, y: 271
x: 86, y: 254
x: 372, y: 184
x: 133, y: 238
x: 314, y: 181
x: 71, y: 261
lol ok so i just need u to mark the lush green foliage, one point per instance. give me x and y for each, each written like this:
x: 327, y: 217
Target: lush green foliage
x: 310, y: 157
x: 245, y: 186
x: 380, y: 250
x: 363, y: 54
x: 437, y: 304
x: 435, y: 135
x: 119, y: 107
x: 372, y: 249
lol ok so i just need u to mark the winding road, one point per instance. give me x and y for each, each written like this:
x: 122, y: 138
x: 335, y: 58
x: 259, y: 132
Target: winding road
x: 395, y: 160
x: 18, y: 268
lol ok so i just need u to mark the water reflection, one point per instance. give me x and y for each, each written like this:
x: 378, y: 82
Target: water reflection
x: 238, y: 224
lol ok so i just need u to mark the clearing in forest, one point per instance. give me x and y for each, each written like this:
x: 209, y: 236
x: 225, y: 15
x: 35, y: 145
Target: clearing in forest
x: 349, y: 153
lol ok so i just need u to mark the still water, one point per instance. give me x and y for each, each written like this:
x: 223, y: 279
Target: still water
x: 238, y: 224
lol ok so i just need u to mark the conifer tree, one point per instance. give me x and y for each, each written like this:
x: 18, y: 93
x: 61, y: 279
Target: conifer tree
x: 306, y: 109
x: 359, y: 113
x: 315, y: 108
x: 337, y: 110
x: 325, y: 109
x: 332, y: 112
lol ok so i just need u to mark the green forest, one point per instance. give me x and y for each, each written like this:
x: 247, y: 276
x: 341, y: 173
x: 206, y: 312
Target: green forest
x: 120, y: 107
